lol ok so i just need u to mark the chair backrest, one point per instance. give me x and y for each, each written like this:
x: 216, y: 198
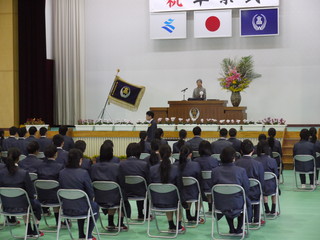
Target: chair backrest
x: 254, y: 155
x: 144, y: 155
x: 216, y: 156
x: 269, y: 176
x: 238, y: 155
x: 176, y: 156
x: 105, y: 185
x: 46, y: 184
x: 227, y: 189
x: 195, y: 154
x: 276, y: 155
x: 107, y: 193
x: 159, y: 193
x: 21, y: 157
x: 41, y: 155
x: 33, y: 176
x: 254, y: 182
x: 47, y: 191
x: 206, y: 174
x: 303, y: 158
x: 4, y: 153
x: 71, y: 194
x: 317, y: 154
x: 135, y: 179
x: 188, y: 181
x: 12, y: 193
x: 162, y: 188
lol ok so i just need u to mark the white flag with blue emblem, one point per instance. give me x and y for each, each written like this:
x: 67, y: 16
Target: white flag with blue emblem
x: 171, y: 25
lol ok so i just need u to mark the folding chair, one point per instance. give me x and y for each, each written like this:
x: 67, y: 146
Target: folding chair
x: 7, y: 195
x: 131, y: 180
x: 301, y: 167
x: 75, y: 194
x: 41, y: 155
x: 4, y: 154
x: 21, y: 157
x: 195, y: 154
x: 269, y: 176
x: 158, y: 192
x: 254, y: 156
x: 260, y: 202
x: 277, y: 155
x: 238, y: 155
x: 33, y: 176
x: 318, y: 163
x: 189, y: 181
x: 108, y: 195
x: 228, y: 190
x: 47, y: 195
x: 176, y: 156
x: 216, y: 156
x: 144, y: 155
x: 206, y: 176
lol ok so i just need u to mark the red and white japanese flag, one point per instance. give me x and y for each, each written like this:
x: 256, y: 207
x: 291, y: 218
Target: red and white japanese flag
x: 210, y: 24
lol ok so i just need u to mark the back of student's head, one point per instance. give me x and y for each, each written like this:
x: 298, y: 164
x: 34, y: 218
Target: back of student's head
x: 185, y: 152
x: 58, y: 140
x: 261, y: 137
x: 182, y: 136
x: 63, y: 129
x: 150, y: 113
x: 205, y: 148
x: 1, y: 134
x: 155, y: 146
x: 142, y: 136
x: 165, y: 165
x: 133, y: 150
x: 223, y: 132
x: 246, y: 147
x: 33, y: 147
x: 43, y: 131
x: 74, y: 157
x: 32, y: 130
x: 232, y: 132
x: 271, y: 133
x: 196, y: 131
x: 108, y: 142
x: 304, y: 134
x: 12, y: 159
x: 13, y: 130
x: 81, y: 145
x: 228, y: 155
x: 22, y: 132
x: 313, y: 134
x: 106, y: 153
x: 50, y: 151
x: 158, y: 133
x: 263, y: 148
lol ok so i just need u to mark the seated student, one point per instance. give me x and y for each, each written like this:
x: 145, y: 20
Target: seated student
x: 11, y: 141
x: 177, y: 145
x: 114, y: 159
x: 221, y: 143
x: 164, y: 172
x: 62, y: 154
x: 236, y: 143
x: 304, y: 147
x: 68, y: 141
x: 13, y: 176
x: 86, y: 163
x: 43, y: 140
x: 21, y: 143
x: 144, y: 145
x: 32, y: 135
x: 207, y: 163
x: 134, y: 166
x: 229, y: 173
x: 254, y: 170
x: 74, y: 177
x: 269, y: 165
x: 31, y: 162
x: 189, y: 168
x: 196, y: 140
x: 261, y: 137
x: 154, y: 157
x: 159, y: 135
x: 1, y: 139
x: 105, y: 170
x: 313, y: 139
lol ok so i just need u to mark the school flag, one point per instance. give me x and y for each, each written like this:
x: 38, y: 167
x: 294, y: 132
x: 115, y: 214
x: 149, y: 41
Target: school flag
x: 125, y: 94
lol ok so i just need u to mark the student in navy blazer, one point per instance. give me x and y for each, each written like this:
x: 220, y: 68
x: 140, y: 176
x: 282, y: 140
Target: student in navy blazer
x: 86, y: 163
x: 152, y: 127
x: 274, y: 144
x: 269, y: 165
x: 221, y: 143
x: 74, y: 177
x: 196, y: 140
x: 31, y: 162
x: 134, y: 166
x: 43, y: 140
x: 11, y: 141
x: 145, y: 146
x: 68, y: 141
x: 154, y: 157
x: 229, y: 173
x: 313, y: 139
x: 159, y: 135
x: 21, y: 143
x: 62, y: 154
x: 254, y: 170
x: 177, y: 145
x: 32, y: 132
x: 236, y: 143
x: 114, y: 158
x: 304, y: 147
x: 165, y: 172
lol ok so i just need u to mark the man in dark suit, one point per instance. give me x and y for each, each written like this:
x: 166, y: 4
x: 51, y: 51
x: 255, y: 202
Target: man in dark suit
x: 68, y: 141
x: 196, y: 140
x: 31, y: 162
x: 221, y: 143
x: 32, y: 132
x: 11, y: 141
x: 62, y: 154
x: 236, y: 143
x: 152, y: 127
x: 43, y: 140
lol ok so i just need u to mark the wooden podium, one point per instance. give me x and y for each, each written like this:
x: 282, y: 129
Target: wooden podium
x: 216, y: 109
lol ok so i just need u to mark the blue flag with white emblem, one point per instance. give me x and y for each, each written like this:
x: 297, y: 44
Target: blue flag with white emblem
x: 259, y: 22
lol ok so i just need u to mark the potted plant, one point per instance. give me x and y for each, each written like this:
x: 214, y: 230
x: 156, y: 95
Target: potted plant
x: 36, y: 122
x: 103, y: 125
x: 85, y: 125
x: 187, y: 125
x: 277, y: 124
x: 209, y: 124
x: 141, y: 126
x: 124, y: 125
x: 249, y: 125
x: 232, y: 124
x: 169, y: 124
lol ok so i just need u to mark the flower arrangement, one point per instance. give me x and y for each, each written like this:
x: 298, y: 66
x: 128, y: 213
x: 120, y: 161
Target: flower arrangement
x: 140, y: 122
x: 123, y: 122
x: 34, y: 121
x: 273, y: 121
x: 236, y: 76
x: 85, y: 122
x: 169, y: 120
x: 103, y: 122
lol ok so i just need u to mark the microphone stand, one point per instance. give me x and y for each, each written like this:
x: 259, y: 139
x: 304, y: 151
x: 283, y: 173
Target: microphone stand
x: 184, y: 93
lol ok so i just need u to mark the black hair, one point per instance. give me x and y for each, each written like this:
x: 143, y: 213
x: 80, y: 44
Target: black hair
x: 261, y: 137
x: 165, y: 165
x: 199, y: 80
x: 57, y: 140
x: 74, y: 157
x: 13, y: 130
x: 184, y: 153
x: 223, y: 132
x: 108, y: 142
x: 182, y: 136
x: 313, y: 134
x: 106, y: 153
x: 246, y: 147
x: 228, y: 154
x: 33, y: 147
x: 81, y: 145
x: 142, y: 136
x: 232, y: 132
x: 133, y: 149
x: 196, y: 131
x: 154, y: 157
x: 22, y: 131
x: 63, y: 129
x: 50, y: 151
x: 205, y: 148
x: 1, y: 134
x: 12, y: 159
x: 43, y: 131
x: 263, y: 147
x: 150, y: 113
x: 304, y: 134
x: 158, y: 133
x: 32, y: 130
x: 271, y: 133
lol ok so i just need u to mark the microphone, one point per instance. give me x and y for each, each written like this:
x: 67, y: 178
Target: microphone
x: 183, y: 90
